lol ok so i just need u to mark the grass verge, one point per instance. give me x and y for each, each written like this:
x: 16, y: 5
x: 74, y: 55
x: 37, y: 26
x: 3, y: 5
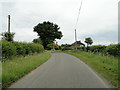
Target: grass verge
x: 17, y: 67
x: 0, y: 75
x: 106, y: 66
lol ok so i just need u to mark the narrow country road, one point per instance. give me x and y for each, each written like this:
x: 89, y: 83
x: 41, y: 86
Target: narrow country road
x: 62, y: 71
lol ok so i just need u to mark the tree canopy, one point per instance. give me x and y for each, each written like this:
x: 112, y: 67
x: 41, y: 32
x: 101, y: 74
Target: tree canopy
x: 39, y: 41
x: 8, y: 36
x: 48, y: 32
x: 89, y: 41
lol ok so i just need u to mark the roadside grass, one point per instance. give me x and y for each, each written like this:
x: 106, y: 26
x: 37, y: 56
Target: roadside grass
x: 17, y: 67
x: 0, y: 75
x: 106, y: 66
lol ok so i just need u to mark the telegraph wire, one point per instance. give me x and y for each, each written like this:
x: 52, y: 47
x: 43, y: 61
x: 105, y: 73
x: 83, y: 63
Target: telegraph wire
x: 77, y: 23
x: 78, y: 14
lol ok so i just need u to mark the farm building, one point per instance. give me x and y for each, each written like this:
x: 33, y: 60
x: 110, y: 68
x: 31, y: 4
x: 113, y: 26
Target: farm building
x: 78, y: 43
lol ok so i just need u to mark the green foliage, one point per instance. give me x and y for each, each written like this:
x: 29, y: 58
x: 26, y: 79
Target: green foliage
x: 105, y: 50
x: 8, y: 49
x: 80, y: 48
x: 98, y: 48
x: 113, y: 50
x: 27, y: 48
x: 49, y: 46
x: 18, y: 48
x: 66, y: 47
x: 48, y: 32
x: 36, y: 47
x: 38, y: 41
x: 57, y: 48
x: 89, y: 41
x: 8, y: 36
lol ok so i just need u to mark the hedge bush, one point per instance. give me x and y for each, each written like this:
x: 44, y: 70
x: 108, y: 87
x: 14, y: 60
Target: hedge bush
x: 27, y: 48
x: 10, y: 49
x: 66, y: 48
x: 113, y: 50
x: 20, y: 48
x: 98, y: 48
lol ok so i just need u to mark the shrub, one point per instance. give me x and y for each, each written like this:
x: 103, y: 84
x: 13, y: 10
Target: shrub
x: 66, y: 48
x: 49, y: 46
x: 8, y: 36
x: 98, y: 48
x: 27, y: 48
x: 57, y: 48
x: 36, y: 47
x: 38, y: 41
x: 81, y: 48
x: 113, y: 50
x: 39, y: 48
x: 8, y: 49
x: 32, y: 47
x: 18, y: 48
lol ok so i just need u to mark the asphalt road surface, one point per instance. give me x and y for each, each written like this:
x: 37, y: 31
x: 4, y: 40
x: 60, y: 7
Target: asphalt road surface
x: 62, y: 71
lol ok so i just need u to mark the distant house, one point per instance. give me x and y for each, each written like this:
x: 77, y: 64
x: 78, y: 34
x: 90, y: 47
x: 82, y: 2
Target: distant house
x: 77, y: 43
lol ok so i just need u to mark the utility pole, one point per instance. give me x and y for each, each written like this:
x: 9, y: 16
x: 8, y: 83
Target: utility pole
x: 75, y: 39
x: 9, y: 23
x: 75, y: 36
x: 53, y: 45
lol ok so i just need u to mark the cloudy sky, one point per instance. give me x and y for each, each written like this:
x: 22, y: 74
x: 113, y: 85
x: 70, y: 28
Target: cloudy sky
x: 98, y: 19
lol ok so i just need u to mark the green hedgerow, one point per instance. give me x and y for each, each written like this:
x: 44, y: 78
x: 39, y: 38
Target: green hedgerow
x: 113, y: 50
x: 8, y: 49
x: 19, y: 48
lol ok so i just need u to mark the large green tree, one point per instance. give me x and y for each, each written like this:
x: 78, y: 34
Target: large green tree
x: 89, y: 41
x: 48, y: 32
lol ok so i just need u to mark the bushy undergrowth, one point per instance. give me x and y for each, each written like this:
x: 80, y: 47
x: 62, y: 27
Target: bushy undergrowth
x: 113, y: 50
x: 10, y: 49
x: 106, y: 50
x: 101, y: 49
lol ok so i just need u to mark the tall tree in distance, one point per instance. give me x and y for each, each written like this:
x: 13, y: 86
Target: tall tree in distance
x: 89, y: 41
x: 48, y: 32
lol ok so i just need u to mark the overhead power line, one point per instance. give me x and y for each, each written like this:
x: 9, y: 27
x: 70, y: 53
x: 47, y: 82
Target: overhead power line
x: 77, y: 23
x: 78, y: 14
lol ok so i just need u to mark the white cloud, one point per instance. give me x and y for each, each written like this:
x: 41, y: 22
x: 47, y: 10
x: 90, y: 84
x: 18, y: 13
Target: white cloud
x: 25, y: 35
x: 97, y: 16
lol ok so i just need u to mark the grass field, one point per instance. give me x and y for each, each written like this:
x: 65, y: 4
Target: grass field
x: 17, y: 67
x: 0, y: 76
x: 106, y: 66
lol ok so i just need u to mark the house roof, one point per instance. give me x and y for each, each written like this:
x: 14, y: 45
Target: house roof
x: 77, y: 43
